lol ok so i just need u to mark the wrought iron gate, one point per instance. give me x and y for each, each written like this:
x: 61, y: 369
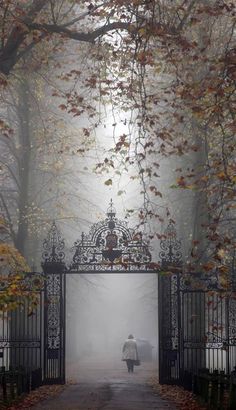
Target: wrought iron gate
x: 208, y: 316
x: 197, y: 327
x: 197, y: 317
x: 110, y: 247
x: 21, y: 330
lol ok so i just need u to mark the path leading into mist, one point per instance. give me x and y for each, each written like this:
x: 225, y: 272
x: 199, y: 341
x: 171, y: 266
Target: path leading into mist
x: 110, y: 387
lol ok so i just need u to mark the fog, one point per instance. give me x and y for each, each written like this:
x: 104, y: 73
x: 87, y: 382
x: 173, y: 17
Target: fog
x: 103, y: 310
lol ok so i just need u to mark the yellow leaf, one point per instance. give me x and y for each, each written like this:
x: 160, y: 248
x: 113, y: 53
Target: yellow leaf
x: 190, y: 186
x: 223, y: 269
x: 221, y: 253
x: 108, y: 182
x: 221, y: 175
x: 142, y: 31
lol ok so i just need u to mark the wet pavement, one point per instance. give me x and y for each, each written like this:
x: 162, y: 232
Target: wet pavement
x: 109, y: 387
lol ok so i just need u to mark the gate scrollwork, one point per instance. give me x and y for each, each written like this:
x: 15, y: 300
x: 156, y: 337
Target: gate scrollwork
x: 110, y: 245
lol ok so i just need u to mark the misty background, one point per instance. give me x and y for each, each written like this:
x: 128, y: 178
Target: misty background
x: 57, y: 131
x: 101, y: 312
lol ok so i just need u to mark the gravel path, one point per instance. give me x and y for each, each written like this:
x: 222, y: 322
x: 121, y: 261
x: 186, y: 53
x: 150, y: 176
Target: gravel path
x: 97, y: 387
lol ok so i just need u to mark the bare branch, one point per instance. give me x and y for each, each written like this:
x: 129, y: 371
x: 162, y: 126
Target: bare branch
x: 89, y: 37
x: 188, y: 11
x: 13, y: 235
x: 11, y: 173
x: 85, y: 14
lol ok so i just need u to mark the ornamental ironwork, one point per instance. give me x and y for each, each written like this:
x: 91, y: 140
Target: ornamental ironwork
x: 111, y: 246
x: 53, y: 284
x: 232, y: 321
x: 53, y: 246
x: 170, y: 253
x: 204, y: 281
x: 169, y: 327
x: 19, y: 344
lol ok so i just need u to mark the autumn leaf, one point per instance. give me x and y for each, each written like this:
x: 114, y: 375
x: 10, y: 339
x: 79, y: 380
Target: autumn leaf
x: 155, y: 191
x: 63, y: 107
x: 221, y: 253
x: 208, y: 266
x: 108, y: 182
x: 205, y: 178
x: 221, y: 176
x: 223, y: 269
x: 181, y: 182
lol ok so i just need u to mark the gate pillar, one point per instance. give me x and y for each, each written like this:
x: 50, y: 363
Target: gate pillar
x: 169, y: 329
x: 169, y: 308
x: 54, y: 308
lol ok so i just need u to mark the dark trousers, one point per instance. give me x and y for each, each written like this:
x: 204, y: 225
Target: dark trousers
x: 130, y: 365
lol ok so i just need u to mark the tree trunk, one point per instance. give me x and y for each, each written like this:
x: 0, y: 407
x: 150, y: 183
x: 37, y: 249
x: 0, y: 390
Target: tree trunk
x: 24, y: 164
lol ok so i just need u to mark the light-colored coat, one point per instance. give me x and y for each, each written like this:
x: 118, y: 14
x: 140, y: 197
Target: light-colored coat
x: 130, y: 350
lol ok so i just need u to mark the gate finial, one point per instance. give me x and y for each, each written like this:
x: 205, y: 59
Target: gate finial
x: 111, y: 211
x: 53, y: 245
x: 170, y: 246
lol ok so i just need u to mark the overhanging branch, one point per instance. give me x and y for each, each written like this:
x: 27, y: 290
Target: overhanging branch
x: 89, y: 37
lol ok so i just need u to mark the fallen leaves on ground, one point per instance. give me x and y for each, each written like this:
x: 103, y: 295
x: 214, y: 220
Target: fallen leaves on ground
x: 182, y: 399
x: 36, y: 396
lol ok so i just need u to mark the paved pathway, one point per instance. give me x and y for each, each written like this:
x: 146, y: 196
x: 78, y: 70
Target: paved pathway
x: 99, y: 387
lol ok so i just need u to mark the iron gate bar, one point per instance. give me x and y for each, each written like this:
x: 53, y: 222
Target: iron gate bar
x: 109, y: 272
x: 54, y: 328
x: 55, y: 308
x: 21, y: 332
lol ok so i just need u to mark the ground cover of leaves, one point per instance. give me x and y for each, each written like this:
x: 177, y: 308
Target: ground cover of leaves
x: 36, y: 396
x: 182, y: 399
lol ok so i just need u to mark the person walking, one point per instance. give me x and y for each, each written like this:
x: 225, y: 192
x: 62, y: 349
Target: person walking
x: 130, y: 353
